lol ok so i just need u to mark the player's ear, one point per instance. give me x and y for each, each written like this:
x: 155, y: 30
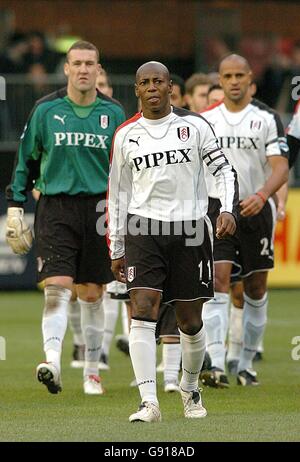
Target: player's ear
x: 66, y: 69
x: 136, y: 90
x: 170, y: 87
x: 99, y: 68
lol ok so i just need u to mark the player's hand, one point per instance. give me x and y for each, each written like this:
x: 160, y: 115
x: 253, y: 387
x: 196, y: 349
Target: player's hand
x: 226, y: 225
x: 252, y: 205
x: 281, y: 213
x: 118, y: 268
x: 18, y: 233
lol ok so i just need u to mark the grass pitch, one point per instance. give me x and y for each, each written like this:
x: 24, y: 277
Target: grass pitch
x: 270, y: 412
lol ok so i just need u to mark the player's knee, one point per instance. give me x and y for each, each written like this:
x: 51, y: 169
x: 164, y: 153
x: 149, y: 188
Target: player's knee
x: 89, y: 293
x: 256, y: 293
x: 55, y: 295
x: 143, y: 307
x: 191, y: 327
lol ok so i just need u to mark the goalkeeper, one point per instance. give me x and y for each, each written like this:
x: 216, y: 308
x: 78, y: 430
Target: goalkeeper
x: 64, y: 154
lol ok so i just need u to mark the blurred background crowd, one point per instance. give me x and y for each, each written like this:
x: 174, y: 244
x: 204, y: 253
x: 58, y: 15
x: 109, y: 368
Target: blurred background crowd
x: 191, y: 44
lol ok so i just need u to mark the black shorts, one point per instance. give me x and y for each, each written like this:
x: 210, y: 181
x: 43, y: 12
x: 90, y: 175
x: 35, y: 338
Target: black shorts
x: 167, y: 262
x: 67, y: 242
x: 251, y: 249
x: 166, y: 323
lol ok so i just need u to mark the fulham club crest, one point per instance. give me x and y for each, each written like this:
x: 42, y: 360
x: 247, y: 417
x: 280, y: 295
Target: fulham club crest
x: 255, y: 125
x: 183, y: 133
x: 130, y: 273
x: 104, y: 121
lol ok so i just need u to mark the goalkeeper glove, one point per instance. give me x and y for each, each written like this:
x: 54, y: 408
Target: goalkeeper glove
x: 18, y: 234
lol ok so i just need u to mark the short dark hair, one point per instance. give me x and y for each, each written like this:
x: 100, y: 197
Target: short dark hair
x: 177, y: 80
x: 83, y: 45
x: 214, y: 87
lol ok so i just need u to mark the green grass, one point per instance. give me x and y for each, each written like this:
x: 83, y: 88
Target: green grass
x: 270, y: 412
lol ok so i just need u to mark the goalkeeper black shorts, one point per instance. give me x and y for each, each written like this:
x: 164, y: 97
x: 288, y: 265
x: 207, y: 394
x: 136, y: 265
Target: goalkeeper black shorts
x: 67, y: 241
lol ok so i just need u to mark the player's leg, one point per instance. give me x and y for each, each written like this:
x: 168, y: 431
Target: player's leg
x: 93, y: 271
x: 215, y: 311
x: 190, y: 283
x: 74, y: 318
x: 111, y: 312
x: 54, y: 324
x: 235, y: 332
x: 56, y: 248
x: 167, y: 331
x: 254, y: 323
x: 142, y: 347
x: 146, y: 273
x: 257, y: 256
x: 192, y: 339
x: 92, y: 325
x: 215, y: 318
x: 122, y: 340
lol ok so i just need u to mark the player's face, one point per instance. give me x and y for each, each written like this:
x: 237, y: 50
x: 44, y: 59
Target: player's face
x: 235, y: 79
x: 154, y: 88
x: 177, y: 99
x: 82, y: 70
x: 199, y: 98
x: 102, y: 85
x: 215, y: 96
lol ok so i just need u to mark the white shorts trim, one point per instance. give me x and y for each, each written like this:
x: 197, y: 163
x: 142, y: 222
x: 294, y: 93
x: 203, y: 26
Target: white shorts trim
x: 256, y: 271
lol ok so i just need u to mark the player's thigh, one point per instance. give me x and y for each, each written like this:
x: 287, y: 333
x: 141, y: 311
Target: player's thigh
x: 145, y: 261
x: 57, y: 238
x: 257, y: 240
x: 190, y: 260
x: 93, y: 260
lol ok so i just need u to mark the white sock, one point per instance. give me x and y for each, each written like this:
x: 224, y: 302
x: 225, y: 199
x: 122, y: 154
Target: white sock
x: 92, y: 324
x: 125, y: 324
x: 171, y: 353
x: 235, y: 335
x: 254, y: 322
x: 54, y: 322
x: 74, y: 315
x: 215, y: 319
x: 111, y: 311
x: 260, y: 347
x: 193, y: 351
x: 142, y: 347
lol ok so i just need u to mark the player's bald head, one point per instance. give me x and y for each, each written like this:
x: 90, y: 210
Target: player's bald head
x: 152, y: 67
x: 234, y: 59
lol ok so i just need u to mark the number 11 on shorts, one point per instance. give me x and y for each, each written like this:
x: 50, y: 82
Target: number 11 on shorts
x: 201, y: 270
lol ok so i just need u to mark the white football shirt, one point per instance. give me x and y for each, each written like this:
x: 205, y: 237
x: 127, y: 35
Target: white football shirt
x: 157, y: 172
x: 247, y: 138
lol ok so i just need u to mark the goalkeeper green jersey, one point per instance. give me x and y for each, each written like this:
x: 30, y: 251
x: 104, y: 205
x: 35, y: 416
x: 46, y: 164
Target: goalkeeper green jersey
x: 65, y: 148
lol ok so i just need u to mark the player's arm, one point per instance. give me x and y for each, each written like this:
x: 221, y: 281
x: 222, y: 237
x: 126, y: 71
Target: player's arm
x: 18, y: 234
x: 282, y: 195
x: 119, y: 195
x: 277, y: 153
x: 226, y: 182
